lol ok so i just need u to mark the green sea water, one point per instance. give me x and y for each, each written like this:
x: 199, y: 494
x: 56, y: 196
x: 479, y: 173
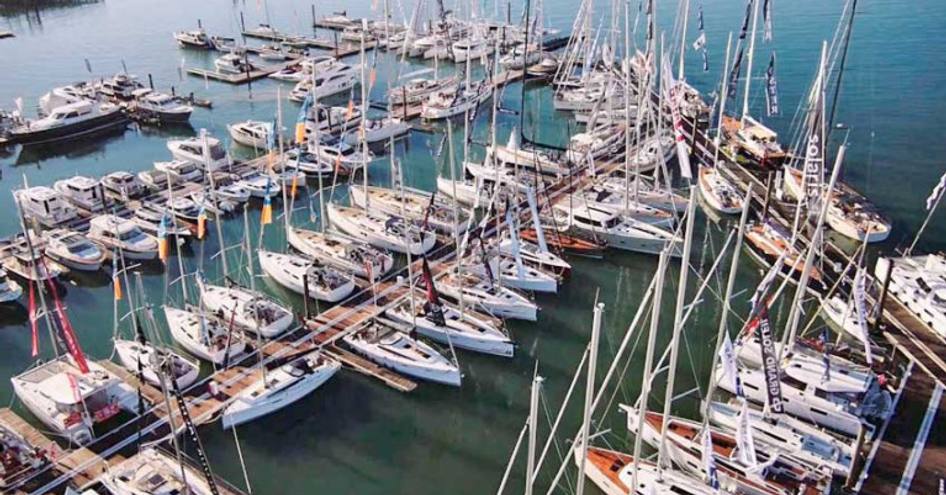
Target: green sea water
x: 354, y: 435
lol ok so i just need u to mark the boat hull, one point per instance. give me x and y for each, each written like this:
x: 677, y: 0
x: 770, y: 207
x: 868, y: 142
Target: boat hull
x: 243, y: 411
x: 95, y: 124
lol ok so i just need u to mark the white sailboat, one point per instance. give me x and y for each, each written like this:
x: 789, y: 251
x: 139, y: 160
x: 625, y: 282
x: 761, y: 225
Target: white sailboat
x: 143, y: 357
x: 388, y: 232
x: 294, y: 272
x: 718, y: 192
x: 248, y: 309
x: 388, y: 345
x: 204, y: 337
x: 498, y: 301
x: 465, y: 329
x: 788, y: 436
x: 415, y: 204
x: 151, y: 471
x: 278, y: 388
x: 71, y: 402
x: 617, y: 231
x: 341, y: 252
x: 613, y: 473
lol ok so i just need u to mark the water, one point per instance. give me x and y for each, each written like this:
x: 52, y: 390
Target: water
x: 354, y: 435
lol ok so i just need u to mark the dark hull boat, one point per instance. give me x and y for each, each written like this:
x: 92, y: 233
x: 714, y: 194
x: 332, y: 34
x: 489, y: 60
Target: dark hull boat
x: 105, y: 121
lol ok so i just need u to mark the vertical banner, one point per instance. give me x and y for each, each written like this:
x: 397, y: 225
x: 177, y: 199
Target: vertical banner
x: 770, y: 365
x: 771, y: 89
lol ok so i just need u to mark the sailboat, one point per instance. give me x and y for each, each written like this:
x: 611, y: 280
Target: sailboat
x: 616, y: 230
x: 622, y: 203
x: 204, y: 336
x: 141, y: 356
x: 152, y: 471
x: 842, y: 398
x: 467, y: 329
x: 787, y: 436
x: 515, y: 153
x: 388, y: 344
x: 248, y: 309
x: 71, y: 401
x: 769, y: 475
x: 420, y: 206
x: 278, y: 388
x: 384, y: 231
x: 341, y: 252
x: 746, y: 134
x: 718, y: 191
x: 769, y: 243
x: 513, y: 272
x: 612, y: 472
x: 485, y: 294
x: 306, y: 277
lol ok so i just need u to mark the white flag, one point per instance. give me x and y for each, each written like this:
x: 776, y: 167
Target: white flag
x: 860, y: 296
x: 937, y: 192
x: 700, y: 42
x: 744, y: 443
x: 727, y: 358
x: 762, y: 290
x: 709, y: 462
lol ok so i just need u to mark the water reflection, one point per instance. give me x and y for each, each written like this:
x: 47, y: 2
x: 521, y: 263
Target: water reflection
x: 32, y: 8
x: 79, y: 147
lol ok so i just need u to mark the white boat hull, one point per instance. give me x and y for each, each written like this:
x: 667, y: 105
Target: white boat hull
x: 243, y: 409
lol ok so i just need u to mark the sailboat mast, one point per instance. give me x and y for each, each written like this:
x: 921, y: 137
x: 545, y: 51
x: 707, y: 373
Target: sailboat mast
x: 318, y: 152
x: 533, y: 421
x: 816, y: 238
x: 218, y: 220
x: 683, y: 38
x: 35, y: 272
x: 837, y: 84
x: 648, y: 364
x: 456, y: 210
x: 287, y: 203
x: 364, y: 117
x: 722, y: 101
x: 180, y: 258
x: 677, y: 326
x: 745, y: 97
x: 730, y: 284
x: 250, y: 270
x: 589, y: 394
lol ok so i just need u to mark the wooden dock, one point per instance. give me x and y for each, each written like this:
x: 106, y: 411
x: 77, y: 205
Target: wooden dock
x: 259, y: 72
x: 81, y: 462
x: 338, y: 48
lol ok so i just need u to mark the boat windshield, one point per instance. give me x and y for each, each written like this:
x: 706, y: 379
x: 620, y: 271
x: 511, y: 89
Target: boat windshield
x: 131, y: 235
x: 81, y: 247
